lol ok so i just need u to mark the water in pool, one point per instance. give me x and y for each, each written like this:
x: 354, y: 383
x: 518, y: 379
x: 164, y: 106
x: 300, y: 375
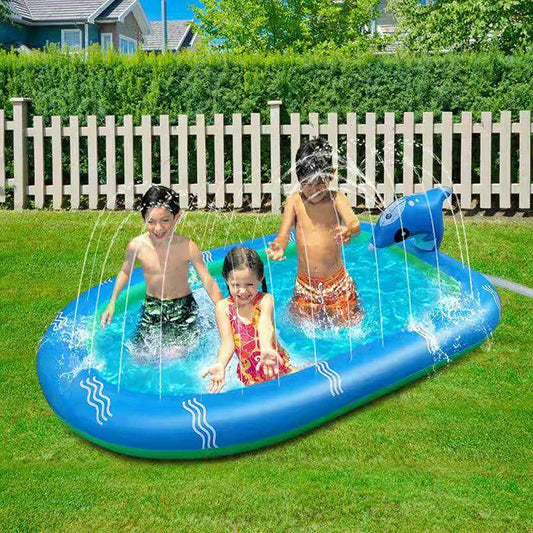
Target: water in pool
x: 409, y: 298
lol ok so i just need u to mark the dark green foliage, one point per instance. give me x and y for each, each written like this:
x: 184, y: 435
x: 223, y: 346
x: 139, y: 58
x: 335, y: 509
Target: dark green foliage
x: 209, y: 83
x: 460, y: 25
x: 101, y: 84
x: 4, y: 10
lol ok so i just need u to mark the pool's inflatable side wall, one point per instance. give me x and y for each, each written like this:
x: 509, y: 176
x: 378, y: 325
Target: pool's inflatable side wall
x: 198, y: 426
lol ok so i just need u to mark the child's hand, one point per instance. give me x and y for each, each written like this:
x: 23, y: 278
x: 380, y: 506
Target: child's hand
x: 275, y: 251
x: 218, y: 377
x: 270, y: 361
x: 107, y: 315
x: 342, y: 235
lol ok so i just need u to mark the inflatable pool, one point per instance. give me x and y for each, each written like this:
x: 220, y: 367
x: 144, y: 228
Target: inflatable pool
x: 423, y: 310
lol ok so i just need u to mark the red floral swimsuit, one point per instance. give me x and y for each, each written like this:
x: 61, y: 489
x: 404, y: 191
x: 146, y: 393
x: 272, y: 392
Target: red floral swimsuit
x: 246, y: 338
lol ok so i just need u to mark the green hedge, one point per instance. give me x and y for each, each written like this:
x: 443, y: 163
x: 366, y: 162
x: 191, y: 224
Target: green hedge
x: 209, y: 83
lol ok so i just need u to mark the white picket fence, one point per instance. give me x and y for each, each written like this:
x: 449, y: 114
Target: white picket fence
x: 368, y: 181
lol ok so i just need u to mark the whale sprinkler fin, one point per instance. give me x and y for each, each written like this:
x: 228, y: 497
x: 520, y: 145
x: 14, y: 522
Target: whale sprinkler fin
x: 415, y: 215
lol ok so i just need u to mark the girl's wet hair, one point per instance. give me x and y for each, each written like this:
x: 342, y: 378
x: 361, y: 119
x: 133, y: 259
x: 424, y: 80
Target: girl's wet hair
x: 314, y: 161
x: 160, y: 196
x: 241, y: 257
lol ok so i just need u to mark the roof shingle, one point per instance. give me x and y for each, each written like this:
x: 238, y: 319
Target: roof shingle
x: 44, y: 10
x: 176, y: 32
x: 116, y: 9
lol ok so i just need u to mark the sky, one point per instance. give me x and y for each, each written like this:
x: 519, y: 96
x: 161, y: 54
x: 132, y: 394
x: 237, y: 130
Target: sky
x: 176, y: 9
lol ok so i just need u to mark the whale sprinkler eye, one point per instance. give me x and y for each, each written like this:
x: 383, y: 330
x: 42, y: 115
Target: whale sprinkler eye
x: 401, y: 235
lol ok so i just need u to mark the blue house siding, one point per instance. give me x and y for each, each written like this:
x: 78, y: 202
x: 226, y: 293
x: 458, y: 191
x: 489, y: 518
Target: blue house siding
x: 11, y: 34
x: 94, y: 34
x: 40, y: 35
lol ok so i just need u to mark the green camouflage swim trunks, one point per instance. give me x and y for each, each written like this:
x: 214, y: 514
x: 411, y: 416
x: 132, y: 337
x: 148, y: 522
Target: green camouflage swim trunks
x: 172, y: 321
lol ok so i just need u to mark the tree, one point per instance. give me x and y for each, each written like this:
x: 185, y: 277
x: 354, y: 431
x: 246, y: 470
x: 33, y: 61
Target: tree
x: 5, y: 11
x: 461, y: 25
x: 269, y: 25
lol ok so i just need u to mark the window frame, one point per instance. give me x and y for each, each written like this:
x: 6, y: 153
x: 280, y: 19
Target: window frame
x: 129, y: 42
x: 110, y: 36
x: 73, y: 30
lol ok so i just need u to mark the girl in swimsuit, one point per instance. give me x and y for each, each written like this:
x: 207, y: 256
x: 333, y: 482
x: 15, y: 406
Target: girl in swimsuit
x: 246, y: 324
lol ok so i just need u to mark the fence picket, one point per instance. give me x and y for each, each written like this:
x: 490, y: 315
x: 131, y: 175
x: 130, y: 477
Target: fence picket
x: 220, y: 186
x: 164, y: 139
x: 388, y: 158
x: 201, y: 158
x: 275, y: 156
x: 146, y: 141
x: 74, y: 148
x: 333, y: 139
x: 295, y: 134
x: 237, y: 159
x: 38, y: 161
x: 505, y: 160
x: 351, y: 157
x: 57, y: 164
x: 427, y: 150
x: 129, y: 178
x: 485, y: 163
x: 524, y: 179
x: 92, y: 152
x: 370, y: 160
x: 110, y: 161
x: 20, y: 151
x: 255, y: 143
x: 447, y: 153
x: 183, y: 160
x: 314, y: 125
x: 466, y: 159
x: 408, y: 152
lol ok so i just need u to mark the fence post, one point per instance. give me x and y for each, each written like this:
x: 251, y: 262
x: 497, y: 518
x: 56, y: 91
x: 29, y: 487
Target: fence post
x: 275, y: 154
x: 20, y: 150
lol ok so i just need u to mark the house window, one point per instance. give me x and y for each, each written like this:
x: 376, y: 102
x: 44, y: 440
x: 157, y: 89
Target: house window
x: 127, y: 45
x: 106, y: 41
x: 71, y: 38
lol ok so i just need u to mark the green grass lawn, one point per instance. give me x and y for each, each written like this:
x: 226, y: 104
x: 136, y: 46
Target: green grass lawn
x: 451, y: 452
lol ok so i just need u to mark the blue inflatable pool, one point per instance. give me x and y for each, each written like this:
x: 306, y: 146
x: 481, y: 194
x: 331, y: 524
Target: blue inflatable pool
x: 194, y: 424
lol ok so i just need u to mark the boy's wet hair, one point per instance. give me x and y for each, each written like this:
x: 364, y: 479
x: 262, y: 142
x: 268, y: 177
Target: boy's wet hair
x: 242, y: 257
x: 160, y: 196
x: 314, y: 161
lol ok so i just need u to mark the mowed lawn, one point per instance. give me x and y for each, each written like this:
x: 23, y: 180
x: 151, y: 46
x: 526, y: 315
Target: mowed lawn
x: 451, y: 452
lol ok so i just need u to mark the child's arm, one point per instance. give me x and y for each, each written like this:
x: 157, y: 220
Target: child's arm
x: 122, y: 279
x: 277, y: 247
x: 209, y: 283
x: 217, y: 371
x: 270, y: 358
x: 343, y: 234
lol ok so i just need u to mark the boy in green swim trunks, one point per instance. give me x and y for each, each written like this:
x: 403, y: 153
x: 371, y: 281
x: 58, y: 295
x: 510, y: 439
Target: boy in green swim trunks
x: 169, y: 311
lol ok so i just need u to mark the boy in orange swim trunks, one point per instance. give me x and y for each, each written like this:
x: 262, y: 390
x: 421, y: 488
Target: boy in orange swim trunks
x: 324, y: 291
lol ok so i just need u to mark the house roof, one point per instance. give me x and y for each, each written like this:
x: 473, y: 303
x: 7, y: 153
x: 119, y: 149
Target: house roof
x: 19, y: 7
x: 117, y: 9
x: 54, y: 11
x: 45, y: 10
x: 177, y: 33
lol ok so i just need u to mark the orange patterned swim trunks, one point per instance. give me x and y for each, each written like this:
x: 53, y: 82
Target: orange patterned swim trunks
x: 328, y: 301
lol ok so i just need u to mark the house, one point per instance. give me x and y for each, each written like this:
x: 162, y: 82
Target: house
x: 180, y: 36
x: 120, y: 24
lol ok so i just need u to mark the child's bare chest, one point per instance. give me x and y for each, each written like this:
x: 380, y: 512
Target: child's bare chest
x: 165, y: 260
x: 319, y: 217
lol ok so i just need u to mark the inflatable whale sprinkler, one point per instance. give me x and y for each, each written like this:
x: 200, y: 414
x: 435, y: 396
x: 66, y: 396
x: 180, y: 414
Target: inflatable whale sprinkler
x: 415, y: 215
